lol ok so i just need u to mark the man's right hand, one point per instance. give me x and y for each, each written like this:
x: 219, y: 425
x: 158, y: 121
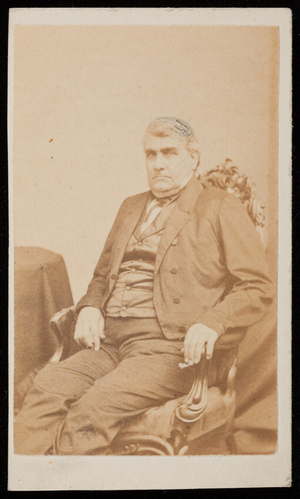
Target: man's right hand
x: 89, y: 328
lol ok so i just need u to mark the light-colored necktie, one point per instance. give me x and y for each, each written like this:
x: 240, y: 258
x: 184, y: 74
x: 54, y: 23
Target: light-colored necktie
x: 153, y: 209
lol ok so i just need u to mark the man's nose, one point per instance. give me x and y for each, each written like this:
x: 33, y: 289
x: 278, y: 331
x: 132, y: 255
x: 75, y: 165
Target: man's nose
x: 159, y: 163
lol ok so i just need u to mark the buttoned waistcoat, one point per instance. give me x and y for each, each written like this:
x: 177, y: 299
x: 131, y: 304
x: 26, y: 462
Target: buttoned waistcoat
x: 210, y: 265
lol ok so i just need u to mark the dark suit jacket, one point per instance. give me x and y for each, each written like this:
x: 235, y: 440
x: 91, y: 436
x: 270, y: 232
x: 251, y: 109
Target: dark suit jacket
x: 210, y: 265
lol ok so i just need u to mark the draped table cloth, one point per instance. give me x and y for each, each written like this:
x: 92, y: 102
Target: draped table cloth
x: 41, y: 288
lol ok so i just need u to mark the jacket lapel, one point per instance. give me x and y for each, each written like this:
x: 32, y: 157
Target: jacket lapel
x: 179, y: 217
x: 129, y: 223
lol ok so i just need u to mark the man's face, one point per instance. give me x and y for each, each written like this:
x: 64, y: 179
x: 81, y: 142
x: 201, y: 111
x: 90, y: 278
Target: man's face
x: 168, y: 162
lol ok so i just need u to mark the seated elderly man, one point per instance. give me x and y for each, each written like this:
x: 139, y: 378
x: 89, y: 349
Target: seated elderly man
x: 182, y: 267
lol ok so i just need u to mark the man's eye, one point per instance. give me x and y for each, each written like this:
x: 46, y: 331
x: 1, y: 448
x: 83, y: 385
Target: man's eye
x: 170, y: 153
x: 150, y: 155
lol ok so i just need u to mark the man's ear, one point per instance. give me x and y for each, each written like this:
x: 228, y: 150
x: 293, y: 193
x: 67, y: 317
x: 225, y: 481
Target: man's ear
x: 195, y: 160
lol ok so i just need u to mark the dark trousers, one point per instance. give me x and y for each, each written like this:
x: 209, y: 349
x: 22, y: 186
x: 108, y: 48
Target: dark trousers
x: 77, y: 406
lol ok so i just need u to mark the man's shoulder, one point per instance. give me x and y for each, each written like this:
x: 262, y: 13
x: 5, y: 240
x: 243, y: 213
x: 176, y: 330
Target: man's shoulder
x: 213, y: 195
x: 220, y: 204
x: 131, y: 200
x: 215, y: 201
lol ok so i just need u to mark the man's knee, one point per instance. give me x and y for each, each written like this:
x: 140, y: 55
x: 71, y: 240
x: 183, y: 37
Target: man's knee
x: 47, y: 377
x: 65, y: 378
x: 55, y: 379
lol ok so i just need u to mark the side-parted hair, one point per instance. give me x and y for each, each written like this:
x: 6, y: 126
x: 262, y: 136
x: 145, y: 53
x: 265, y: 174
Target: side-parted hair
x: 169, y: 126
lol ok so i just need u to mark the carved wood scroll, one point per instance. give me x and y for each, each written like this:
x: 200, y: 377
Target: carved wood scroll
x: 229, y: 177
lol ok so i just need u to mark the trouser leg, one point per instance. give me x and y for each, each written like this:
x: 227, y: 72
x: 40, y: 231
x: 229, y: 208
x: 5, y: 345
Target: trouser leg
x: 55, y: 388
x: 147, y: 377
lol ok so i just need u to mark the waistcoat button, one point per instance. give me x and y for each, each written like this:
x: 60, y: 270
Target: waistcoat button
x: 181, y: 329
x: 173, y: 270
x: 113, y: 276
x: 176, y: 300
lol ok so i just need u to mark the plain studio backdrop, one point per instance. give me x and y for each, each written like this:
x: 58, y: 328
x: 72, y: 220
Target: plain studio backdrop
x: 83, y: 97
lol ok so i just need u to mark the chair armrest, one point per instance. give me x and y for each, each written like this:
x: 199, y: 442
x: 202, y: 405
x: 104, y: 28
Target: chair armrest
x: 231, y: 379
x: 195, y: 402
x: 63, y: 325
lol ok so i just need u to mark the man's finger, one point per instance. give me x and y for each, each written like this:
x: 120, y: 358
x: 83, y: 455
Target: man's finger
x: 83, y: 336
x: 93, y: 335
x: 209, y: 349
x: 98, y: 333
x: 198, y: 352
x: 96, y: 340
x: 190, y: 354
x: 86, y: 343
x: 188, y: 350
x: 77, y: 339
x: 78, y: 336
x: 88, y: 340
x: 102, y: 333
x: 192, y: 339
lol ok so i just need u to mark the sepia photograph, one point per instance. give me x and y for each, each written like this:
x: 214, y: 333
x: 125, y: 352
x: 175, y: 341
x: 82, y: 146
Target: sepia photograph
x: 147, y: 166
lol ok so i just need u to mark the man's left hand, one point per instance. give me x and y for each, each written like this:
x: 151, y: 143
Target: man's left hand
x: 194, y: 343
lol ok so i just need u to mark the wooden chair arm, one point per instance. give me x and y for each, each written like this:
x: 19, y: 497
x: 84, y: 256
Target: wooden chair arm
x: 62, y: 323
x: 231, y: 379
x: 195, y: 402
